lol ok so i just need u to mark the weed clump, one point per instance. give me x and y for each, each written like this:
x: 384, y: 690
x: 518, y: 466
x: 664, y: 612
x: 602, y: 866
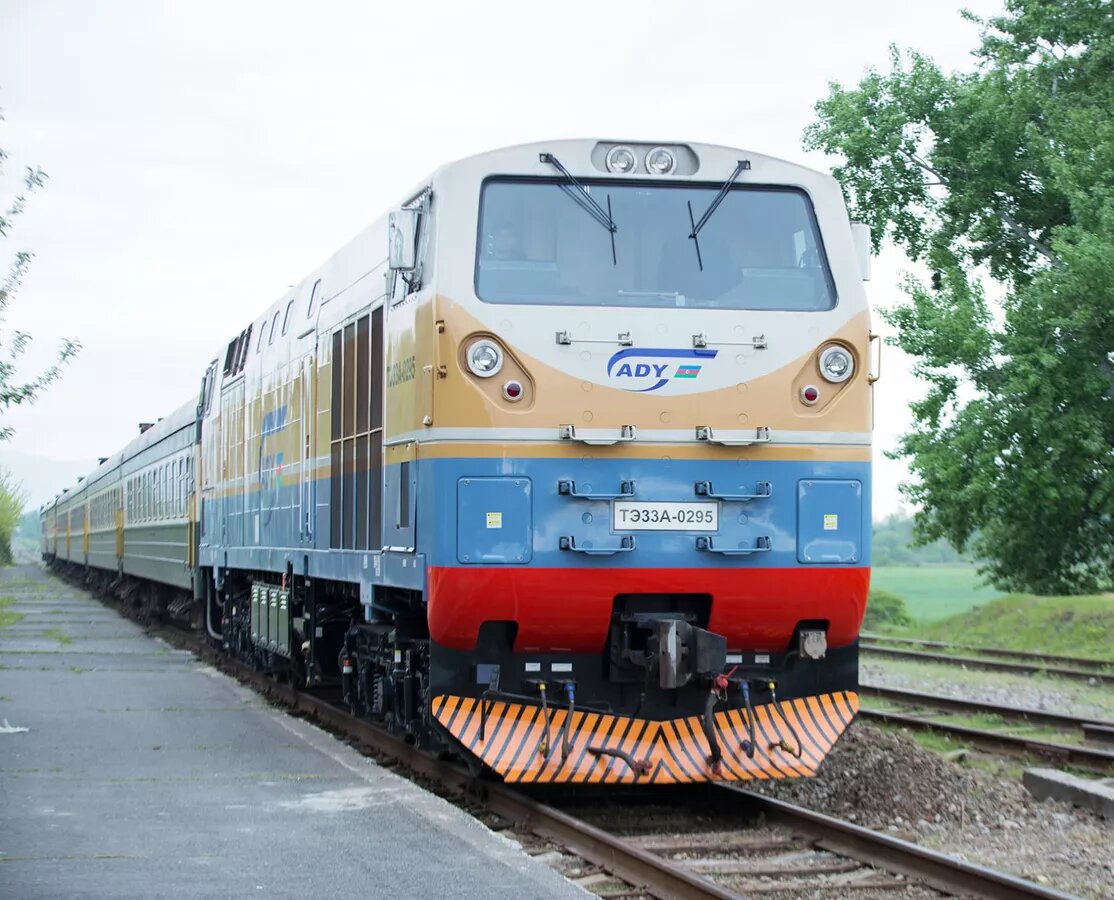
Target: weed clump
x: 885, y: 608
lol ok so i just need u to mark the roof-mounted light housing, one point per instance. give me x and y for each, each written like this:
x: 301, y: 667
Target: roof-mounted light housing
x: 660, y: 161
x: 621, y: 160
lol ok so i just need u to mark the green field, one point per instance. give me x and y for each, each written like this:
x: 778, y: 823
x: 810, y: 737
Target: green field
x: 1071, y: 626
x: 932, y: 593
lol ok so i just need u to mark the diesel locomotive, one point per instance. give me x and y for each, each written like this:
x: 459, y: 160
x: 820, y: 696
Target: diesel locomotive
x: 562, y: 465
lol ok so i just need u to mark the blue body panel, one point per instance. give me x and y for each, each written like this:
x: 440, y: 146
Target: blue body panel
x: 830, y: 521
x: 777, y: 517
x: 494, y: 522
x: 534, y: 517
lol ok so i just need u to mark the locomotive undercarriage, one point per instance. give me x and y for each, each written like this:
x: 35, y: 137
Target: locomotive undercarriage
x: 385, y: 676
x: 289, y: 625
x: 315, y: 634
x: 659, y: 663
x: 664, y: 702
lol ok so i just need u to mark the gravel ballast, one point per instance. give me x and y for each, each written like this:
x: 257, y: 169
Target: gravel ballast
x: 885, y: 780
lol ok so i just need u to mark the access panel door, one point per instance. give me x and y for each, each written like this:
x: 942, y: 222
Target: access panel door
x: 356, y: 437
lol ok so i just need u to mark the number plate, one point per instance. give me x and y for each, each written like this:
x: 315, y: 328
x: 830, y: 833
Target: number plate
x: 635, y: 515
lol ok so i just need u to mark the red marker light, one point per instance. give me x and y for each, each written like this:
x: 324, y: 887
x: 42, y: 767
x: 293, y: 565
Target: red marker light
x: 512, y: 390
x: 810, y: 394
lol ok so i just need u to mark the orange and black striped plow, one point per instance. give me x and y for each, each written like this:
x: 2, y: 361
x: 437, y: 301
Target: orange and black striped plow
x: 523, y: 744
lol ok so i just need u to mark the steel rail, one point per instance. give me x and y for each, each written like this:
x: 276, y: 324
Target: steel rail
x: 1077, y: 661
x: 993, y: 665
x: 974, y: 707
x: 1101, y: 761
x: 934, y: 868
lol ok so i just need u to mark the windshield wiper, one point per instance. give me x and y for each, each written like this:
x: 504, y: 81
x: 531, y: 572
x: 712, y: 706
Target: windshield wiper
x: 694, y: 235
x: 587, y: 202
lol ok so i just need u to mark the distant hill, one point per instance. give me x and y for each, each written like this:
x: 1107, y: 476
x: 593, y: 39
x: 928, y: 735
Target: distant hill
x: 26, y: 544
x: 893, y: 546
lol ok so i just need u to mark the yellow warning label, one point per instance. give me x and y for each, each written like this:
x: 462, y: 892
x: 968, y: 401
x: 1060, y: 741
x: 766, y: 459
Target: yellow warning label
x: 494, y: 520
x: 831, y: 522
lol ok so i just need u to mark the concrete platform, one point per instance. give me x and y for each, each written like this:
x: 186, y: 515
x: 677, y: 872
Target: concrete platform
x: 1096, y: 795
x: 143, y: 773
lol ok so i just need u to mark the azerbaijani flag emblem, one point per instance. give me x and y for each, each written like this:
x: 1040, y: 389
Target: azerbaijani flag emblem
x: 687, y: 371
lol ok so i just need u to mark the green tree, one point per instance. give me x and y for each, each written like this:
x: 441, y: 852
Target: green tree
x: 894, y: 544
x: 13, y: 389
x: 12, y: 500
x: 1006, y: 170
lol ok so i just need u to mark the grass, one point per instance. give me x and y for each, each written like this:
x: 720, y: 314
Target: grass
x: 1068, y: 626
x: 1005, y: 767
x: 934, y: 592
x: 59, y: 635
x: 7, y: 617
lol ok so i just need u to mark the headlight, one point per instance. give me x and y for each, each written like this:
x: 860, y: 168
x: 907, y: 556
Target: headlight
x: 837, y: 364
x: 621, y: 160
x: 660, y: 161
x: 485, y: 358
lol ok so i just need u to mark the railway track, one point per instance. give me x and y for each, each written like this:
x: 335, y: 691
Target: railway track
x: 1076, y: 662
x: 1092, y: 759
x: 822, y: 853
x: 1061, y: 721
x: 776, y: 848
x: 1091, y: 676
x: 862, y: 859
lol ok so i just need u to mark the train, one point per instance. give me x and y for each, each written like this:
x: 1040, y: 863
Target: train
x: 562, y: 465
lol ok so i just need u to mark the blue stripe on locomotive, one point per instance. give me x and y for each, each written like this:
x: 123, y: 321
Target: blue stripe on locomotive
x: 453, y: 491
x: 815, y: 508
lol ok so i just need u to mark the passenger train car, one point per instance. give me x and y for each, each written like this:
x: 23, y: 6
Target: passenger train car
x: 563, y: 464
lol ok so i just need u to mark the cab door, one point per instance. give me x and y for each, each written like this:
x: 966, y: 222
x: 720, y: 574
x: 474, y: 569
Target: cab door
x: 233, y: 484
x: 307, y: 436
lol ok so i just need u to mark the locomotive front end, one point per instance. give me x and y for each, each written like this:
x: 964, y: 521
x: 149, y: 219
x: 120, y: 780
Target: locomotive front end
x: 641, y: 433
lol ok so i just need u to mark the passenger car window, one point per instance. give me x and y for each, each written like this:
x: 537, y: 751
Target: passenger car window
x: 286, y: 317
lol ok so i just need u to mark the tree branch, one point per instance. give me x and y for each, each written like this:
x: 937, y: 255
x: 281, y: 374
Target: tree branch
x: 1022, y: 232
x: 1007, y: 218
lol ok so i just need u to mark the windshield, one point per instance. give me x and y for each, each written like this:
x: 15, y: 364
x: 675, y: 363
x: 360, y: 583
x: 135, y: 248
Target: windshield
x: 760, y: 250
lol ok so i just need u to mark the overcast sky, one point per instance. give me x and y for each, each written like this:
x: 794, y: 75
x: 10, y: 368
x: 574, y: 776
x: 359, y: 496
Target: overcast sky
x: 204, y: 156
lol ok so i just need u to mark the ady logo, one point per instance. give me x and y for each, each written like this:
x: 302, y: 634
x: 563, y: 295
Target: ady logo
x: 270, y: 464
x: 274, y: 421
x: 644, y: 369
